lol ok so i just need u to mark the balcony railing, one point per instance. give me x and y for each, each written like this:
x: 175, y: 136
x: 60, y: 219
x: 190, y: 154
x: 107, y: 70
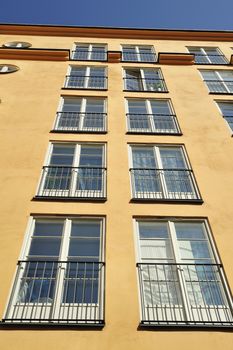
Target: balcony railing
x: 89, y: 55
x: 152, y: 123
x: 57, y: 292
x: 145, y: 84
x: 138, y: 57
x: 229, y: 120
x: 73, y: 182
x: 184, y: 295
x: 86, y: 82
x: 210, y: 59
x: 220, y: 86
x: 77, y: 122
x: 164, y: 184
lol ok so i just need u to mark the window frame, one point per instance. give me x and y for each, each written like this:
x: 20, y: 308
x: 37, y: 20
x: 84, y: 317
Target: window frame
x: 86, y: 77
x: 205, y: 54
x: 144, y: 79
x: 76, y: 159
x: 220, y: 111
x: 62, y: 258
x: 219, y: 80
x: 138, y: 54
x: 89, y: 50
x: 165, y: 192
x: 82, y: 113
x: 170, y: 222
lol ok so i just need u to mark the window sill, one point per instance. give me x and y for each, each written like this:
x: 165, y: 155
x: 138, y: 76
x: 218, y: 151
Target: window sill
x: 69, y: 199
x: 220, y: 93
x: 147, y: 91
x: 162, y: 200
x: 154, y: 133
x: 12, y: 324
x: 77, y: 132
x: 161, y: 325
x: 82, y: 88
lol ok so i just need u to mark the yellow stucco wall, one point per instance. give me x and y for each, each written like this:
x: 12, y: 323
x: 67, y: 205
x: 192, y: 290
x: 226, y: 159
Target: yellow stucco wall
x: 29, y: 100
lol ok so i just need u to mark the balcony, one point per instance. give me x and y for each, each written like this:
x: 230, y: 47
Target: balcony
x: 152, y: 123
x: 81, y: 122
x: 176, y: 295
x: 89, y: 55
x: 145, y: 84
x: 164, y: 185
x: 86, y: 82
x: 144, y: 57
x: 220, y: 86
x: 62, y: 182
x: 57, y: 293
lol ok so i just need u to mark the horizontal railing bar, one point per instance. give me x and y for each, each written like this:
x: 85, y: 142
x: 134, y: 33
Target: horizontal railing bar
x: 72, y: 167
x: 165, y: 169
x: 87, y: 76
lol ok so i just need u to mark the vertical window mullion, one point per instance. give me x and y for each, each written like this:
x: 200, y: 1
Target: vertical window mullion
x: 82, y: 112
x: 222, y: 81
x: 137, y: 53
x: 75, y: 170
x: 87, y: 77
x: 161, y: 172
x: 143, y: 80
x: 89, y: 54
x: 150, y: 116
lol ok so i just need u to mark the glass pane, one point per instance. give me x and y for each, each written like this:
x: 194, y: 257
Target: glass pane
x: 78, y: 71
x: 190, y: 231
x: 71, y: 105
x: 172, y: 158
x: 84, y: 247
x: 153, y: 230
x: 226, y: 75
x: 48, y: 229
x: 95, y: 106
x: 137, y: 106
x: 155, y: 249
x: 193, y: 250
x: 160, y: 107
x: 45, y: 247
x: 85, y: 229
x: 226, y: 108
x: 91, y: 156
x: 62, y: 155
x: 143, y: 157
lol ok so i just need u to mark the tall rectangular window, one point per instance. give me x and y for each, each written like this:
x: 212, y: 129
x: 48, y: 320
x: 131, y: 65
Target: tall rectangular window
x: 60, y: 276
x: 162, y: 173
x: 180, y: 276
x: 208, y: 55
x: 74, y: 171
x: 89, y: 52
x: 81, y: 114
x: 144, y: 79
x: 218, y: 81
x: 227, y: 112
x: 83, y: 77
x: 151, y: 116
x: 138, y: 53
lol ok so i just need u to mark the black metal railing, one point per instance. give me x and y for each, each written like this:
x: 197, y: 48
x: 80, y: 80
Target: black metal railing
x: 229, y: 120
x: 89, y: 55
x: 86, y: 82
x: 220, y: 86
x: 210, y: 59
x: 73, y: 182
x: 184, y: 294
x: 63, y: 292
x: 77, y: 121
x: 163, y: 184
x: 152, y: 123
x: 145, y: 84
x: 144, y: 57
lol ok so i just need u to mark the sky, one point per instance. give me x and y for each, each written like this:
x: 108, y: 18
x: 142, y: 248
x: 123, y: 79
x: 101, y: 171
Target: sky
x: 167, y: 14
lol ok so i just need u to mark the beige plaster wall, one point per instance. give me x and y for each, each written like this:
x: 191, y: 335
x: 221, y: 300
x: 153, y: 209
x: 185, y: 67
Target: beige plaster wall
x: 29, y: 100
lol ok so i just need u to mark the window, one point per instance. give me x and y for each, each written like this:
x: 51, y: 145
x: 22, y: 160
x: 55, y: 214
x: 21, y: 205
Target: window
x: 81, y: 114
x: 227, y: 112
x: 17, y: 44
x: 162, y: 173
x: 145, y: 79
x: 74, y: 171
x: 82, y: 77
x: 138, y: 53
x: 180, y: 276
x: 8, y: 68
x: 218, y: 81
x: 89, y: 52
x: 208, y: 55
x: 60, y: 276
x: 151, y: 116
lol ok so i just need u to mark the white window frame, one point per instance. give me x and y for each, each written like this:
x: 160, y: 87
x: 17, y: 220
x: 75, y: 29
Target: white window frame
x: 164, y: 195
x: 151, y: 122
x: 53, y: 311
x: 218, y: 78
x: 86, y: 77
x: 137, y: 52
x: 89, y: 50
x: 82, y: 112
x: 72, y: 191
x: 143, y: 78
x: 189, y: 314
x: 205, y: 53
x: 220, y: 111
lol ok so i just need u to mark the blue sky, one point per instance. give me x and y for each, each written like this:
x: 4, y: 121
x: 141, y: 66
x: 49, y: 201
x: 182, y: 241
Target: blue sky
x: 172, y: 14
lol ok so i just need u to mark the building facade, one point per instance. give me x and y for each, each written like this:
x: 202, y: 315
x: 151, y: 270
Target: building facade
x: 116, y: 188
